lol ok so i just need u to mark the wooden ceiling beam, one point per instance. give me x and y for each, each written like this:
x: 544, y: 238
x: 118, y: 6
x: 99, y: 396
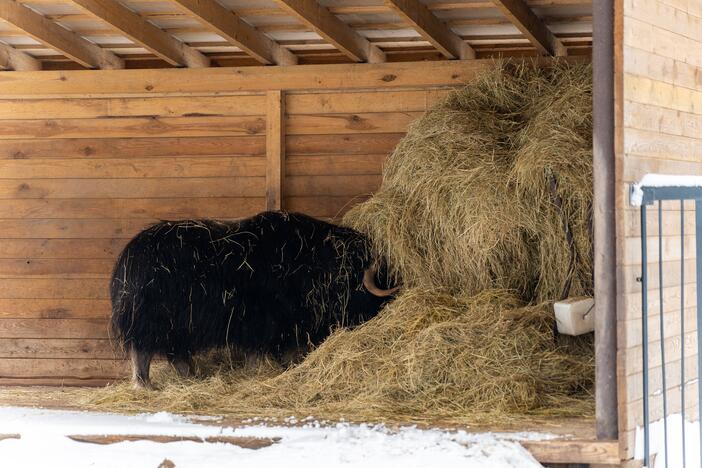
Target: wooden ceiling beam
x: 13, y: 59
x: 139, y: 30
x: 235, y: 30
x: 56, y: 37
x: 521, y: 15
x: 332, y: 29
x: 432, y: 29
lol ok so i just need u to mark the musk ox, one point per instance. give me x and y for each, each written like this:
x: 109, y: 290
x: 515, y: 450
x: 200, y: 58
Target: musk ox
x: 273, y: 283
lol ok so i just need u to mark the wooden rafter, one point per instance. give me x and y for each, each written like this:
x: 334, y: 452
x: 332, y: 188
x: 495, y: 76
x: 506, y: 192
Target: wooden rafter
x: 13, y: 59
x: 144, y: 33
x: 56, y: 37
x: 520, y: 14
x: 335, y: 31
x: 432, y: 28
x: 230, y: 26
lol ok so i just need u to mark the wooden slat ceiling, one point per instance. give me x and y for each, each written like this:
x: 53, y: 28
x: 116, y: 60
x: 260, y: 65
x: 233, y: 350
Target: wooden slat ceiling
x: 62, y: 34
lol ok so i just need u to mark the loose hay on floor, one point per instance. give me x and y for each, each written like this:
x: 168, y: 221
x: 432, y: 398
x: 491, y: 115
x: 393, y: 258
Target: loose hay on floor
x: 428, y: 356
x: 484, y: 215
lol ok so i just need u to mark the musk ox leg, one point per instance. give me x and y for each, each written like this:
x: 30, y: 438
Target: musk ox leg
x: 254, y: 359
x: 292, y: 357
x: 182, y: 364
x: 247, y: 359
x: 141, y: 362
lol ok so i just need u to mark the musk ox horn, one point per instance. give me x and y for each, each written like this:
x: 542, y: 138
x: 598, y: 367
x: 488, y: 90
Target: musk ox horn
x: 369, y: 283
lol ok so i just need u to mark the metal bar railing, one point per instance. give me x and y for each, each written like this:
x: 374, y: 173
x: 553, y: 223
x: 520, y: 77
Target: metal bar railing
x: 655, y: 195
x: 644, y: 329
x: 682, y: 326
x: 664, y: 387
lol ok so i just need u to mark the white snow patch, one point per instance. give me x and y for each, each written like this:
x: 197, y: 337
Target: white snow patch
x: 661, y: 180
x: 675, y: 443
x: 44, y: 443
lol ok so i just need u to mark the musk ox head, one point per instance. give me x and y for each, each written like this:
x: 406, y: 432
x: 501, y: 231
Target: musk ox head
x: 357, y: 286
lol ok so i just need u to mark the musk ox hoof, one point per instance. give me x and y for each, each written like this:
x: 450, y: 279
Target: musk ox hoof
x: 141, y: 385
x: 183, y: 368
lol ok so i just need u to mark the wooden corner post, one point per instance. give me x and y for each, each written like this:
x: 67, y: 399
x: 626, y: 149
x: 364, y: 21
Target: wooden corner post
x: 275, y: 149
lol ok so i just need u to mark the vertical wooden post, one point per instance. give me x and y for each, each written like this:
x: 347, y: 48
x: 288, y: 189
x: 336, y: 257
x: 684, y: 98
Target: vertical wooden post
x: 605, y: 253
x: 275, y: 149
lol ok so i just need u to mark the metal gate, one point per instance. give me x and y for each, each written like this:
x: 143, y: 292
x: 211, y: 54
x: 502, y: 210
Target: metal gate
x: 651, y: 200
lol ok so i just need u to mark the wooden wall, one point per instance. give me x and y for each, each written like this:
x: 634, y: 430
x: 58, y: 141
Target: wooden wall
x: 82, y: 170
x: 659, y: 122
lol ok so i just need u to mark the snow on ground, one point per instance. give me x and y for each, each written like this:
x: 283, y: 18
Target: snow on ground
x: 675, y: 443
x: 43, y: 443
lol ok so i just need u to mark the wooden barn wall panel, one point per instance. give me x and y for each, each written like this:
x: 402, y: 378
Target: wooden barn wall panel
x: 80, y: 174
x: 660, y: 99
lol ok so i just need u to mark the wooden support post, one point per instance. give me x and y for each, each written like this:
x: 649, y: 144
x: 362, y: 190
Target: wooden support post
x: 604, y: 222
x: 275, y: 149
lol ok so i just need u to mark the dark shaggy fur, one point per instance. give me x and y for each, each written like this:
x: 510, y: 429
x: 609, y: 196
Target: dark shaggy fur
x: 272, y: 283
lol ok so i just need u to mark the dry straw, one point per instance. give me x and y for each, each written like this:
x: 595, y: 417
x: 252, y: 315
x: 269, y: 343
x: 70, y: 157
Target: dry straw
x: 484, y: 215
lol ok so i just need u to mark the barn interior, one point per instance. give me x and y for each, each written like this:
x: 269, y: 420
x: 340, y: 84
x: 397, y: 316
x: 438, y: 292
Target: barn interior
x: 118, y: 114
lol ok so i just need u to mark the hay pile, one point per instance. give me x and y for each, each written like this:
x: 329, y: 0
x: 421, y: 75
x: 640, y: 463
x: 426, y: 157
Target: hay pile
x: 466, y: 200
x: 484, y: 215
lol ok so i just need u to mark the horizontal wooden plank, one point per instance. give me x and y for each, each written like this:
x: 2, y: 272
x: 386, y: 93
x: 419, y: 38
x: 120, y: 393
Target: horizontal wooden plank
x: 183, y: 166
x: 77, y: 108
x: 363, y: 101
x: 61, y: 248
x: 61, y: 381
x: 54, y: 268
x: 644, y: 90
x: 366, y: 164
x: 343, y: 144
x: 654, y: 119
x: 671, y: 326
x: 671, y: 301
x: 634, y: 382
x: 641, y: 166
x: 55, y: 308
x: 321, y: 124
x: 97, y: 148
x: 671, y: 248
x: 54, y: 328
x: 40, y: 288
x: 574, y: 451
x: 674, y: 346
x: 52, y: 348
x: 224, y: 80
x: 331, y: 185
x: 323, y: 207
x: 663, y: 147
x: 60, y: 369
x: 671, y: 275
x: 43, y: 229
x: 671, y: 222
x: 131, y: 208
x: 172, y: 187
x: 129, y: 127
x: 251, y: 443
